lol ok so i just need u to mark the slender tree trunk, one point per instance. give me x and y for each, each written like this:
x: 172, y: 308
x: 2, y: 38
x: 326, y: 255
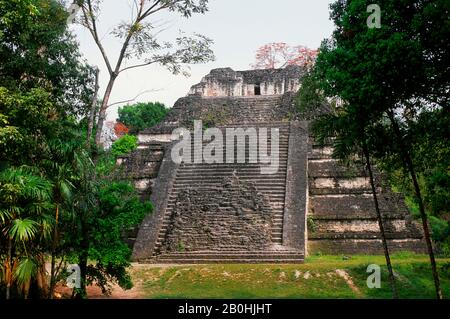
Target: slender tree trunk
x: 53, y: 262
x: 380, y: 223
x: 410, y: 166
x: 83, y: 263
x: 93, y: 109
x: 9, y: 275
x: 103, y: 109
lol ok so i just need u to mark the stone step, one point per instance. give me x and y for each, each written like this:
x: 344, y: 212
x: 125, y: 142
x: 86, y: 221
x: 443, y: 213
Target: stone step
x: 209, y: 173
x: 239, y: 169
x: 277, y: 239
x: 246, y: 159
x: 271, y: 197
x: 221, y: 219
x: 260, y: 184
x: 224, y: 157
x: 277, y: 206
x: 234, y: 165
x: 210, y: 181
x: 277, y: 212
x: 224, y: 217
x: 274, y: 194
x: 283, y: 144
x: 339, y: 191
x: 159, y: 241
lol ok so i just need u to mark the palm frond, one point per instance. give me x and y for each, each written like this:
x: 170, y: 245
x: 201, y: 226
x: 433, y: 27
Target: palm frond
x: 25, y: 270
x: 23, y: 229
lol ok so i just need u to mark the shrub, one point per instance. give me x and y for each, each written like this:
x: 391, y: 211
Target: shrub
x: 124, y: 145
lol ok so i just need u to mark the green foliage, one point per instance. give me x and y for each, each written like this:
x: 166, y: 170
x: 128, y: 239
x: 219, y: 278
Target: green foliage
x: 439, y: 228
x: 119, y: 210
x: 124, y: 145
x: 25, y: 201
x: 387, y: 78
x: 312, y: 227
x: 26, y: 269
x: 181, y: 247
x: 140, y: 116
x: 310, y: 99
x: 397, y: 69
x: 37, y: 51
x: 47, y: 174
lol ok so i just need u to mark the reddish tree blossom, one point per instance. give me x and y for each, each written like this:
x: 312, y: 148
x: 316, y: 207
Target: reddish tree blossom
x: 280, y: 55
x: 120, y: 129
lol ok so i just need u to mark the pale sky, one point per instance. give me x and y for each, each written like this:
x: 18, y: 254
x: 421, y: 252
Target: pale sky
x: 238, y: 28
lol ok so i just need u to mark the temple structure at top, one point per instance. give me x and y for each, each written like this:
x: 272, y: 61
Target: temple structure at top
x: 227, y: 82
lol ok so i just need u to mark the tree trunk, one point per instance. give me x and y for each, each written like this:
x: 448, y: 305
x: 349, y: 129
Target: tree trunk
x: 9, y: 266
x: 83, y: 262
x: 103, y: 109
x: 54, y: 244
x: 93, y: 109
x: 410, y: 166
x: 380, y: 223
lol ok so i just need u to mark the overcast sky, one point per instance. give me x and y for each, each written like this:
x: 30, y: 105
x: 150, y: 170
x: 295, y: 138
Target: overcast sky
x: 238, y: 28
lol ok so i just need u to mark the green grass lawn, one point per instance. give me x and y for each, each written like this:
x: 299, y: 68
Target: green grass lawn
x: 316, y: 278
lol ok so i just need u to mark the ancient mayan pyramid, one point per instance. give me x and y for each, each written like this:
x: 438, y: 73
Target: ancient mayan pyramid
x: 230, y: 212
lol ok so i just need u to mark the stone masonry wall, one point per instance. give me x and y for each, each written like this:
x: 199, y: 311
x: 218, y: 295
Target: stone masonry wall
x: 223, y: 111
x: 227, y: 82
x: 341, y: 214
x: 202, y: 220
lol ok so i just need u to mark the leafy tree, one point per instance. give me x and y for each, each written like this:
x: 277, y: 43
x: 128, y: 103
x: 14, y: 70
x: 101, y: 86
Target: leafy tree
x: 139, y: 40
x: 37, y: 52
x: 310, y: 99
x: 353, y: 139
x: 102, y: 211
x: 50, y: 190
x: 391, y: 75
x: 140, y: 116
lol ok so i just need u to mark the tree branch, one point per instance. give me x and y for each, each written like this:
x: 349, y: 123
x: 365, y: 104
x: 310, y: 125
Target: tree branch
x: 140, y: 65
x: 89, y: 19
x: 149, y: 11
x: 132, y: 100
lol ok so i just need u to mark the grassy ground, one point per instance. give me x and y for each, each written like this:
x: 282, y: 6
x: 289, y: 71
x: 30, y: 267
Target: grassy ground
x: 318, y: 277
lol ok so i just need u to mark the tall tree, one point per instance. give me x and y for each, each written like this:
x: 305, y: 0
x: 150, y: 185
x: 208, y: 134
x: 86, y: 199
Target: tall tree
x: 46, y: 93
x: 392, y: 73
x: 139, y: 40
x: 351, y: 131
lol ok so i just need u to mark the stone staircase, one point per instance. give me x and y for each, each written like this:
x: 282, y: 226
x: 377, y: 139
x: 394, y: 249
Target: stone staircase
x: 256, y: 109
x: 207, y: 180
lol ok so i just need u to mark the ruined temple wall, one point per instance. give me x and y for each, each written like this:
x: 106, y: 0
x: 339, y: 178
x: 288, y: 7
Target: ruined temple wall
x: 341, y: 215
x: 227, y: 82
x: 144, y: 168
x: 221, y: 111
